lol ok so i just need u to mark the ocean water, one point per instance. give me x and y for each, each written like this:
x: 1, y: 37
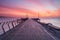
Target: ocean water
x: 6, y: 28
x: 54, y: 21
x: 7, y: 19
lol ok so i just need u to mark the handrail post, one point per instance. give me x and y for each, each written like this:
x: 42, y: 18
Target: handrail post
x: 12, y: 24
x: 3, y: 27
x: 17, y: 20
x: 8, y: 25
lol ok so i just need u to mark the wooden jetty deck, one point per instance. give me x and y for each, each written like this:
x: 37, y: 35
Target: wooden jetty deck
x: 28, y: 30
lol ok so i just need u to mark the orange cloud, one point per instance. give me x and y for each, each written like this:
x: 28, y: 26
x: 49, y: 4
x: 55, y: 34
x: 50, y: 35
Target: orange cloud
x: 23, y: 12
x: 15, y: 12
x: 49, y: 13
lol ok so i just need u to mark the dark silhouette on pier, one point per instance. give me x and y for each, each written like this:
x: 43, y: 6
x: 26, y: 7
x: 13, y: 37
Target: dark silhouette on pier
x: 31, y: 29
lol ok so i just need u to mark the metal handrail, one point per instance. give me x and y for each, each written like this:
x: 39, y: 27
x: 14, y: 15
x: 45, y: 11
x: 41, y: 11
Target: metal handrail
x: 12, y: 23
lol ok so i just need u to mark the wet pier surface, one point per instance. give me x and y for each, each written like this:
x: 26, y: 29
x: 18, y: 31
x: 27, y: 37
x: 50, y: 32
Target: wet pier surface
x: 28, y: 30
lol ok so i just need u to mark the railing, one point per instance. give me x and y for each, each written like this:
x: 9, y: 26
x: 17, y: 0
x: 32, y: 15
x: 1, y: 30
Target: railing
x: 6, y: 26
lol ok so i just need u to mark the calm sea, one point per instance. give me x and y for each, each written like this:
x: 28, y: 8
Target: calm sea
x: 54, y: 21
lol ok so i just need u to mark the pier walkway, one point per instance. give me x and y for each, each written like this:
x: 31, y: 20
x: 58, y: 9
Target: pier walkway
x: 28, y: 30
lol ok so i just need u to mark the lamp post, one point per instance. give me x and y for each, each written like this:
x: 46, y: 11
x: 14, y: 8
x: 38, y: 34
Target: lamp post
x: 26, y: 15
x: 38, y: 15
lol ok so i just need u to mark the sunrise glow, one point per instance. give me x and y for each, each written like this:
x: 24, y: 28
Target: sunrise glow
x: 19, y: 8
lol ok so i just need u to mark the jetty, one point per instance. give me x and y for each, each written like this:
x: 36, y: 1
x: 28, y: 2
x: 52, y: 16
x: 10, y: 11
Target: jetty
x: 31, y: 29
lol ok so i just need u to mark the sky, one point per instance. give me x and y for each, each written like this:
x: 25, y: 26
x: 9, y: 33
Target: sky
x: 30, y: 8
